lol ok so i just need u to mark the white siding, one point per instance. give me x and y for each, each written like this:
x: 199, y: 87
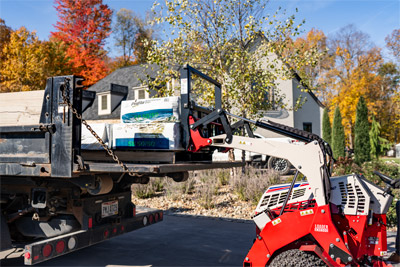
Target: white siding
x: 310, y: 111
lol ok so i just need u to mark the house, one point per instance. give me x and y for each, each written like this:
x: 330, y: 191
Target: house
x: 122, y: 84
x: 126, y: 84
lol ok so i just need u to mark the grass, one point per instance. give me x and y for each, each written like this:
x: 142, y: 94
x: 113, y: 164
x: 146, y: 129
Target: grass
x: 395, y: 160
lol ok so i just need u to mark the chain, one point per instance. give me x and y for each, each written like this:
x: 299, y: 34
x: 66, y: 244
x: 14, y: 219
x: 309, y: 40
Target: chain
x: 65, y: 96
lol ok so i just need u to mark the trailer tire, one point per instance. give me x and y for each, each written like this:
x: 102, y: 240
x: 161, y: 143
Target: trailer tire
x: 295, y: 257
x: 278, y: 164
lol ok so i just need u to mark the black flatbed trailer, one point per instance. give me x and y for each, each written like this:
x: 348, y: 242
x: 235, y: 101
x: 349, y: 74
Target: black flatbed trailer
x: 56, y: 197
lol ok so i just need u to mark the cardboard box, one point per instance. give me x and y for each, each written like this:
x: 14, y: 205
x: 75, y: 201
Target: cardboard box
x: 89, y: 142
x: 151, y: 110
x: 146, y: 136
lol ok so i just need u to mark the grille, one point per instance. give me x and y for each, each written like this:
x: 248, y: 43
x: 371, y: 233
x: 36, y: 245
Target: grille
x: 361, y: 199
x: 351, y: 196
x: 271, y: 200
x: 298, y: 193
x: 343, y: 193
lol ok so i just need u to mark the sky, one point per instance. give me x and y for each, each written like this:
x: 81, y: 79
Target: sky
x: 378, y: 18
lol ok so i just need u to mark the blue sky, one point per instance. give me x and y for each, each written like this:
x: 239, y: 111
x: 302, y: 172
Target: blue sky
x: 378, y: 18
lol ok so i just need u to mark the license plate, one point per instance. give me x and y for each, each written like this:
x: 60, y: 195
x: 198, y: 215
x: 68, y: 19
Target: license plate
x: 109, y: 208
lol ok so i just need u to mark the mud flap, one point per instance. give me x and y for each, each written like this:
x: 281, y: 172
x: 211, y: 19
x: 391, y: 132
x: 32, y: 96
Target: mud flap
x: 5, y: 234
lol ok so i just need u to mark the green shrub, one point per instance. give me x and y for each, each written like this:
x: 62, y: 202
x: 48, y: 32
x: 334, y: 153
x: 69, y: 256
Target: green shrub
x: 250, y: 186
x: 326, y: 127
x: 207, y: 188
x: 338, y: 138
x: 223, y: 177
x: 147, y: 190
x: 362, y: 146
x: 176, y: 190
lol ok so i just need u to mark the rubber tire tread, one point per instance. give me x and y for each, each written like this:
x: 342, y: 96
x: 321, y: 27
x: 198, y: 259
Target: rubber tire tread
x: 295, y: 257
x: 284, y: 172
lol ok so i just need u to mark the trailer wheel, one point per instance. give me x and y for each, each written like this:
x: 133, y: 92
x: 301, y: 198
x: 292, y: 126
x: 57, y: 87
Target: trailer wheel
x: 295, y: 257
x: 278, y: 164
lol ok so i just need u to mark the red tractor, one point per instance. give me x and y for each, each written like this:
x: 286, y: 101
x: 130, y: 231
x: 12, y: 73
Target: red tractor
x: 326, y: 221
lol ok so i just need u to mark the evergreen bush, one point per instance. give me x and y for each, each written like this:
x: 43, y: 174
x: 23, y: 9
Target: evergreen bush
x: 362, y: 146
x: 326, y: 127
x: 338, y: 138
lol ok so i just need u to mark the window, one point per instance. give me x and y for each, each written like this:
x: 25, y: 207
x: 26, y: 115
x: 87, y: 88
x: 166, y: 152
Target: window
x: 141, y: 94
x: 307, y: 126
x: 104, y: 103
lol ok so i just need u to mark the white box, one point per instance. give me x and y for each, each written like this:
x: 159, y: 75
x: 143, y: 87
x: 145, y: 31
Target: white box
x: 146, y: 136
x: 165, y: 109
x: 89, y: 142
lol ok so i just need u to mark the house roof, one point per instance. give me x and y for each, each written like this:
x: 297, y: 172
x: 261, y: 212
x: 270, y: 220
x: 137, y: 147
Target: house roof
x: 119, y: 82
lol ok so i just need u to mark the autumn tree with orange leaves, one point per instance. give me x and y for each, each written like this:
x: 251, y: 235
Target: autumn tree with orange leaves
x: 83, y: 26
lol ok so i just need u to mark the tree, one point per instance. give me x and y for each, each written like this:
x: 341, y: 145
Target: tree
x: 362, y: 147
x: 28, y: 62
x: 233, y: 42
x: 338, y: 138
x: 389, y: 110
x: 314, y: 42
x: 326, y: 127
x: 20, y: 71
x: 5, y: 33
x: 133, y: 36
x: 354, y: 73
x: 83, y: 26
x: 393, y: 43
x: 377, y: 143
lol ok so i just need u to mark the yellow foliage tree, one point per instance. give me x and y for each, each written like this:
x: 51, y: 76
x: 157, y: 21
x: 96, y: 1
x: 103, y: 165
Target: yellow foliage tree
x: 28, y: 62
x: 356, y: 73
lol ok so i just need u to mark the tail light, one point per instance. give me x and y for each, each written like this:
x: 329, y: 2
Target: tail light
x: 151, y: 218
x: 47, y: 250
x: 60, y: 246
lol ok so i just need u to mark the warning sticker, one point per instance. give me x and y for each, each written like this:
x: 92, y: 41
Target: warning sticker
x: 306, y: 212
x: 275, y: 222
x: 323, y: 228
x: 383, y: 253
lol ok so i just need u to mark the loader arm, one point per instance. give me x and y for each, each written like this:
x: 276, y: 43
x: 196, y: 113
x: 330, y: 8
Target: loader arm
x: 308, y: 159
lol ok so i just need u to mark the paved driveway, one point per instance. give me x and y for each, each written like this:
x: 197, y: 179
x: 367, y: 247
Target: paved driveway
x: 177, y: 241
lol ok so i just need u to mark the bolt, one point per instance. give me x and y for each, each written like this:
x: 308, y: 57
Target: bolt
x: 259, y: 237
x: 337, y: 240
x: 268, y: 255
x: 191, y: 126
x: 227, y: 139
x: 247, y: 258
x: 299, y: 167
x: 315, y: 143
x: 219, y: 110
x: 322, y: 211
x: 331, y: 245
x: 332, y: 256
x: 349, y: 258
x: 209, y: 141
x: 344, y: 233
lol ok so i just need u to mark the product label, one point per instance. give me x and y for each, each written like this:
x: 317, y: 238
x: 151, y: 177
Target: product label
x: 323, y: 228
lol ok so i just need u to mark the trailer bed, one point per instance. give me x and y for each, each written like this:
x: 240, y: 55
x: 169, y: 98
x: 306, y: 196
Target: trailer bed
x: 154, y: 169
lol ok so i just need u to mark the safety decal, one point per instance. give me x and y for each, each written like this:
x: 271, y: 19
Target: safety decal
x: 275, y: 222
x: 323, y: 228
x: 306, y: 212
x: 383, y: 253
